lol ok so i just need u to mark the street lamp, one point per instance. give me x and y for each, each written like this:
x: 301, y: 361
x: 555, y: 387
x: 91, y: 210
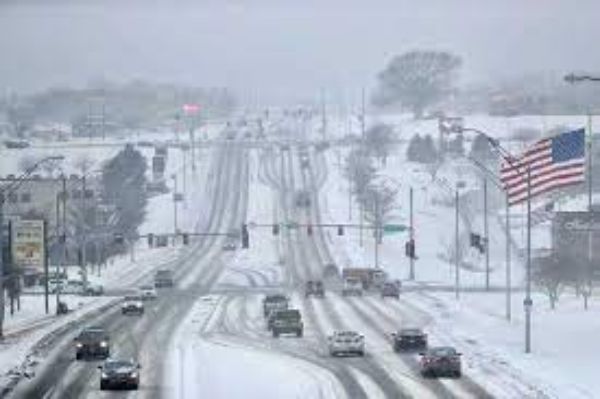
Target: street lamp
x: 9, y: 188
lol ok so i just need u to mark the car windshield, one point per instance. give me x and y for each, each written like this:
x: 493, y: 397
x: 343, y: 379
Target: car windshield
x: 92, y: 335
x: 441, y: 352
x: 388, y: 166
x: 288, y: 314
x: 118, y: 364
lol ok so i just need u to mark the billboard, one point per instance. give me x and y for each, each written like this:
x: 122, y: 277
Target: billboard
x: 571, y: 236
x: 28, y: 249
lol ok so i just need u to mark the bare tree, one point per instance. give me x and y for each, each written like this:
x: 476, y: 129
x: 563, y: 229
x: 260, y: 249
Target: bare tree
x: 26, y: 162
x: 417, y: 80
x: 359, y: 170
x: 379, y: 141
x: 551, y: 275
x: 379, y: 202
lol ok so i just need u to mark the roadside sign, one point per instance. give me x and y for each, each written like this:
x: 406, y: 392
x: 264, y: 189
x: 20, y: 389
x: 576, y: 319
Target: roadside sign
x: 394, y: 228
x: 28, y: 249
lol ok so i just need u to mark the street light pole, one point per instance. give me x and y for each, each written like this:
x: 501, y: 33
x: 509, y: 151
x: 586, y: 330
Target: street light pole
x: 456, y: 249
x: 508, y: 271
x: 528, y: 303
x: 411, y: 275
x: 174, y: 176
x: 486, y: 234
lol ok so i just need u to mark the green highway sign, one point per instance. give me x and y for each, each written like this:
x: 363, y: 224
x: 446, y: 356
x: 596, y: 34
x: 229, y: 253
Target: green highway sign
x: 394, y: 228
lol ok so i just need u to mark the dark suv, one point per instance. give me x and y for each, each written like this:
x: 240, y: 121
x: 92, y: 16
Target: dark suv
x: 286, y: 322
x: 92, y: 342
x: 314, y: 288
x: 409, y: 339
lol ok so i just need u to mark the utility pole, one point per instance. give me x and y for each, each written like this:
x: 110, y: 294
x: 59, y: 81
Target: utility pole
x: 2, y: 265
x: 456, y: 249
x: 528, y: 302
x: 323, y: 115
x: 486, y: 233
x: 508, y: 271
x: 84, y: 232
x: 362, y: 136
x: 411, y: 275
x: 588, y: 277
x: 377, y: 229
x: 46, y: 293
x: 64, y: 221
x: 174, y: 176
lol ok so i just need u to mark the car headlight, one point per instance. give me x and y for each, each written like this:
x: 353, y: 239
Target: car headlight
x: 134, y: 375
x: 103, y: 344
x: 104, y: 375
x: 139, y: 305
x: 79, y: 344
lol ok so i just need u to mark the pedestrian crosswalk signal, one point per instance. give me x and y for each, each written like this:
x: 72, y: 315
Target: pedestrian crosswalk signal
x: 409, y: 249
x: 245, y: 237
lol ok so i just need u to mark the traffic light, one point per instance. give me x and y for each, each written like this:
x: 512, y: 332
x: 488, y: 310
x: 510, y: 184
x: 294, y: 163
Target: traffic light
x: 275, y: 229
x: 245, y: 236
x: 409, y: 249
x: 151, y: 240
x: 478, y: 242
x: 340, y: 230
x: 309, y: 230
x: 119, y: 239
x: 186, y: 238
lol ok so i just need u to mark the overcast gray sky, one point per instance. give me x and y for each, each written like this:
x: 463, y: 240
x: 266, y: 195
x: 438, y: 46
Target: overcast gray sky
x: 285, y: 49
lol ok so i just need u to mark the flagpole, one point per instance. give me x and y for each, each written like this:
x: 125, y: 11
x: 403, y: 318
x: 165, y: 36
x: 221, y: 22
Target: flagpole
x: 528, y: 302
x: 590, y: 214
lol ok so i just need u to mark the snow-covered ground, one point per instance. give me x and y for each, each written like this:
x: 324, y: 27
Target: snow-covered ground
x: 563, y: 361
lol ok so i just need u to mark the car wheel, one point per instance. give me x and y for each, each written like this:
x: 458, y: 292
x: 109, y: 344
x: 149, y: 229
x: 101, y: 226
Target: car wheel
x: 102, y: 386
x: 458, y: 374
x: 134, y: 387
x: 299, y: 333
x: 78, y: 356
x: 361, y: 353
x: 332, y: 353
x: 275, y: 334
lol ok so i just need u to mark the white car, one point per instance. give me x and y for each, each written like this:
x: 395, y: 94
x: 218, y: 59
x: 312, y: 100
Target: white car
x: 148, y: 292
x: 346, y: 342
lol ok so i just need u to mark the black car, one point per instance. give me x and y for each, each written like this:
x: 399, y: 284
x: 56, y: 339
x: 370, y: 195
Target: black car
x: 391, y: 290
x: 314, y: 288
x: 92, y: 342
x: 133, y: 305
x: 286, y: 322
x: 409, y: 339
x: 119, y: 374
x: 163, y: 278
x: 441, y: 361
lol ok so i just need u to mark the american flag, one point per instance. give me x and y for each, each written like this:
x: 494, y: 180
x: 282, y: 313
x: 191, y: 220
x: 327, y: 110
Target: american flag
x: 555, y: 162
